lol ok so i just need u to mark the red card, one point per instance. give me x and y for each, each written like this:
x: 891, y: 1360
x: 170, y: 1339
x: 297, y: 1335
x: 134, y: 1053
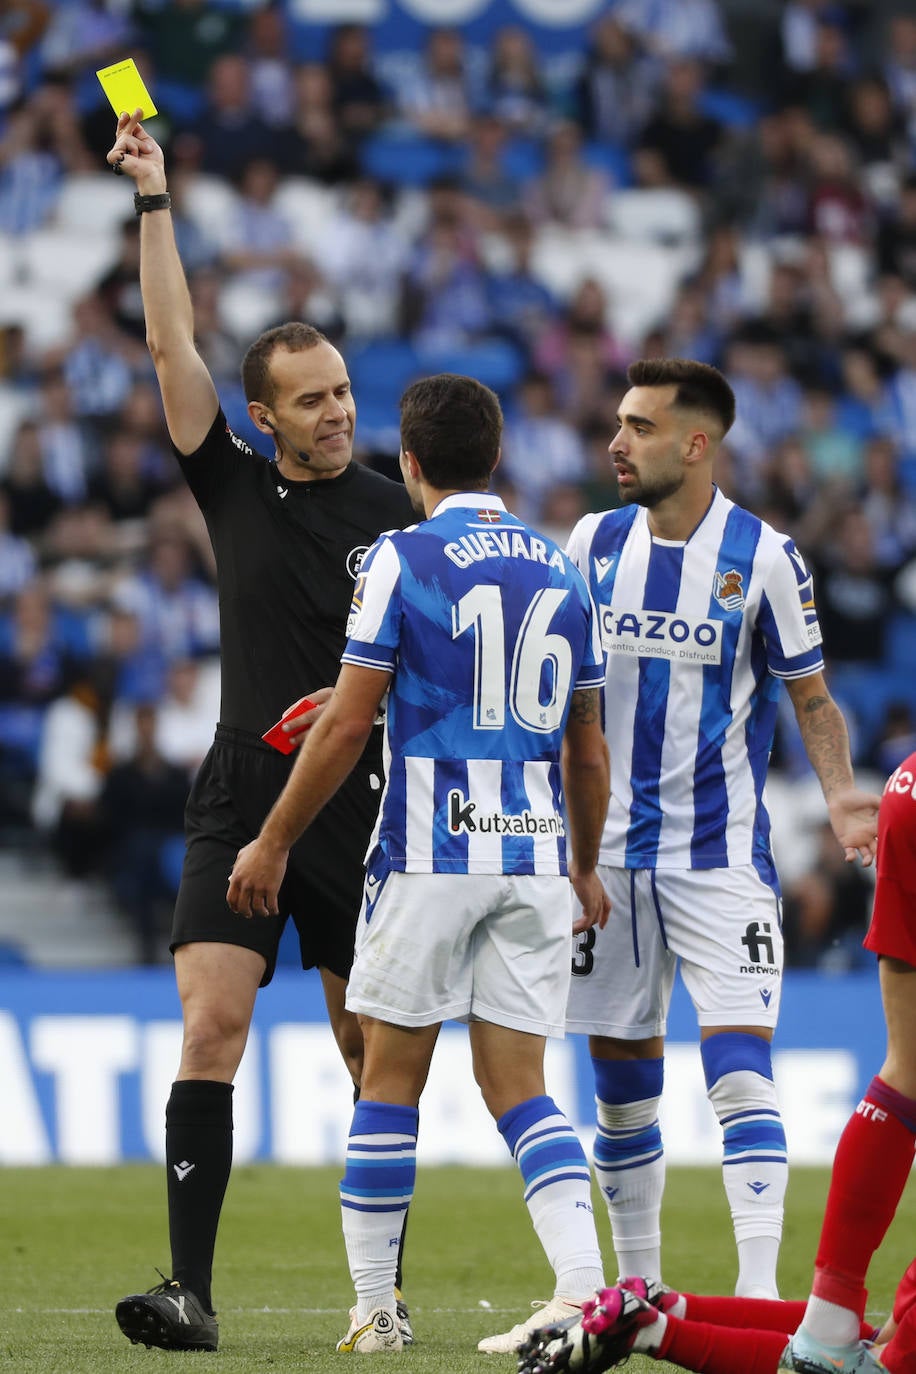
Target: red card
x: 277, y: 736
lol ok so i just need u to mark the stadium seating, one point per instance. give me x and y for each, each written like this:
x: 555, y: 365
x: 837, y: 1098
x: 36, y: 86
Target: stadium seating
x: 408, y: 159
x: 641, y: 278
x: 66, y: 262
x: 664, y: 216
x: 93, y: 202
x: 308, y: 207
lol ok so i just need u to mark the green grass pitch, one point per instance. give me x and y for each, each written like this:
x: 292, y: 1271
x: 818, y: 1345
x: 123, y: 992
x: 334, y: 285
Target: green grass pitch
x: 74, y: 1241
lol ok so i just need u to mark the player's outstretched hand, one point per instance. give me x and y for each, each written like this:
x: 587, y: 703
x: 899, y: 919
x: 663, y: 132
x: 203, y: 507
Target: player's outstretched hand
x: 854, y: 819
x: 254, y: 883
x: 137, y: 154
x: 595, y: 903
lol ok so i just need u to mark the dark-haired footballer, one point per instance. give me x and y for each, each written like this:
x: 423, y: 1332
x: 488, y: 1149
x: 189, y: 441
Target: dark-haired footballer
x: 705, y: 610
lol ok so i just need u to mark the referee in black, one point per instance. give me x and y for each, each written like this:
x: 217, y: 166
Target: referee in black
x: 288, y: 538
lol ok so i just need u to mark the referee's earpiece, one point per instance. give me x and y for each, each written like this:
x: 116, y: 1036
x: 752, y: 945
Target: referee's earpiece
x: 303, y: 457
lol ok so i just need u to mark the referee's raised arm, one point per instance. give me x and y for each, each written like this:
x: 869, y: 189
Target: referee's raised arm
x: 188, y: 394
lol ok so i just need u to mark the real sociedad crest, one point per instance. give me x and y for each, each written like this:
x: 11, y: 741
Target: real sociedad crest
x: 729, y: 590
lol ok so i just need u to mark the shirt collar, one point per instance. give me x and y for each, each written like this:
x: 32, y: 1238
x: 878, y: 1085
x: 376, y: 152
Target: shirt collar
x: 469, y: 500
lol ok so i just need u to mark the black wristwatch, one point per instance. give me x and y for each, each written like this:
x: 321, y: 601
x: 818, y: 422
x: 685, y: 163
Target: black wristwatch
x: 144, y: 203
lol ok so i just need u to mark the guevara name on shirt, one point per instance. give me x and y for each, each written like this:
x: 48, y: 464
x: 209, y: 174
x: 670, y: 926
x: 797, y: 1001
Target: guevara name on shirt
x: 660, y: 634
x: 477, y: 545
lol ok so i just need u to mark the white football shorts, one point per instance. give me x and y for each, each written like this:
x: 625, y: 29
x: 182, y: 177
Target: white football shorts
x: 433, y: 947
x: 724, y: 925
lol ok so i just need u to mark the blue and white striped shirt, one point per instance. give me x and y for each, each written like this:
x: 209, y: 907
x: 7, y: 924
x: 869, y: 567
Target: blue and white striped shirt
x: 487, y: 629
x: 696, y: 636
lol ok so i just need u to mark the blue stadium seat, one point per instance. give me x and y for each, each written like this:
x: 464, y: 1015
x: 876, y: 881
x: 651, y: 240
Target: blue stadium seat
x: 735, y: 111
x: 20, y: 737
x: 907, y: 470
x: 609, y: 158
x: 184, y: 103
x: 235, y: 408
x: 523, y: 158
x: 382, y: 368
x: 378, y: 423
x: 495, y: 362
x: 408, y: 159
x: 867, y: 691
x: 171, y: 858
x: 901, y: 647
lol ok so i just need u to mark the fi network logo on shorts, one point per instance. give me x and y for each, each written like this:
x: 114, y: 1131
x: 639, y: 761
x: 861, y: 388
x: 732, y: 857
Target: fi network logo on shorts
x: 463, y: 820
x: 758, y: 941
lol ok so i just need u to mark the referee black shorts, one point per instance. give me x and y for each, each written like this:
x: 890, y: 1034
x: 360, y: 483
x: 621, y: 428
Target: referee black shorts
x: 236, y: 785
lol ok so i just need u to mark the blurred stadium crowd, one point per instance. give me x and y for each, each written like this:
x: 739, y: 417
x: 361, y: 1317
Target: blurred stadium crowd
x: 731, y: 181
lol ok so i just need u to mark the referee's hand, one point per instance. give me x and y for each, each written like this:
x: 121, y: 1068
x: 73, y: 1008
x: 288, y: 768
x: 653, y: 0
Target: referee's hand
x: 254, y: 883
x: 136, y: 154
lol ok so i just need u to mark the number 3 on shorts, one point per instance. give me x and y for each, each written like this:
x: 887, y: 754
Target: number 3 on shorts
x: 583, y: 961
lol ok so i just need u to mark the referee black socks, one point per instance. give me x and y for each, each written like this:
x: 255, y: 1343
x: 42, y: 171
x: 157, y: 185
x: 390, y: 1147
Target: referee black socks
x: 198, y: 1155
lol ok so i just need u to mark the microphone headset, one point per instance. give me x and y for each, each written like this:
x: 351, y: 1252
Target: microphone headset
x: 303, y: 457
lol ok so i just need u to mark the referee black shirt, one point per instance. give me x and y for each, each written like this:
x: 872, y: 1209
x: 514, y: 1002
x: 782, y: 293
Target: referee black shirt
x: 287, y: 555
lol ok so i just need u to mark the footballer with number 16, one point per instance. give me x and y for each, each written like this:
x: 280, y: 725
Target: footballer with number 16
x: 483, y: 636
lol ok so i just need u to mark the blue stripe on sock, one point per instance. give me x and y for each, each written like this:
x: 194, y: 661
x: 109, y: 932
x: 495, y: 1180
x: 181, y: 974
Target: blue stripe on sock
x: 513, y: 1124
x: 384, y: 1118
x: 372, y: 1206
x: 614, y: 1151
x: 376, y: 1182
x: 575, y: 1174
x: 384, y: 1170
x: 628, y: 1080
x: 756, y: 1159
x: 620, y: 1167
x: 548, y: 1153
x: 747, y: 1113
x: 756, y: 1135
x: 562, y: 1159
x: 735, y: 1052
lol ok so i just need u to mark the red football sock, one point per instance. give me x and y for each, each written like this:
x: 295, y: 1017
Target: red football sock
x: 713, y: 1349
x: 763, y: 1314
x: 870, y: 1170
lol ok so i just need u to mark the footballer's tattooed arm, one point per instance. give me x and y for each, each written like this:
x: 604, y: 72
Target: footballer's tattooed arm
x: 586, y: 790
x: 824, y: 734
x: 585, y: 706
x: 853, y: 813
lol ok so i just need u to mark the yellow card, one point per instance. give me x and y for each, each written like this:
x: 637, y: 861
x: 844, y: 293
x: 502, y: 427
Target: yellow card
x: 123, y: 85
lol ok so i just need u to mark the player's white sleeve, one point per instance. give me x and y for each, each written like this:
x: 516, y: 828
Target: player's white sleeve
x: 592, y: 670
x: 373, y: 626
x: 788, y: 616
x: 580, y: 542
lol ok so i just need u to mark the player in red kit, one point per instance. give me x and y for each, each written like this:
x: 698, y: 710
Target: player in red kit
x: 719, y: 1335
